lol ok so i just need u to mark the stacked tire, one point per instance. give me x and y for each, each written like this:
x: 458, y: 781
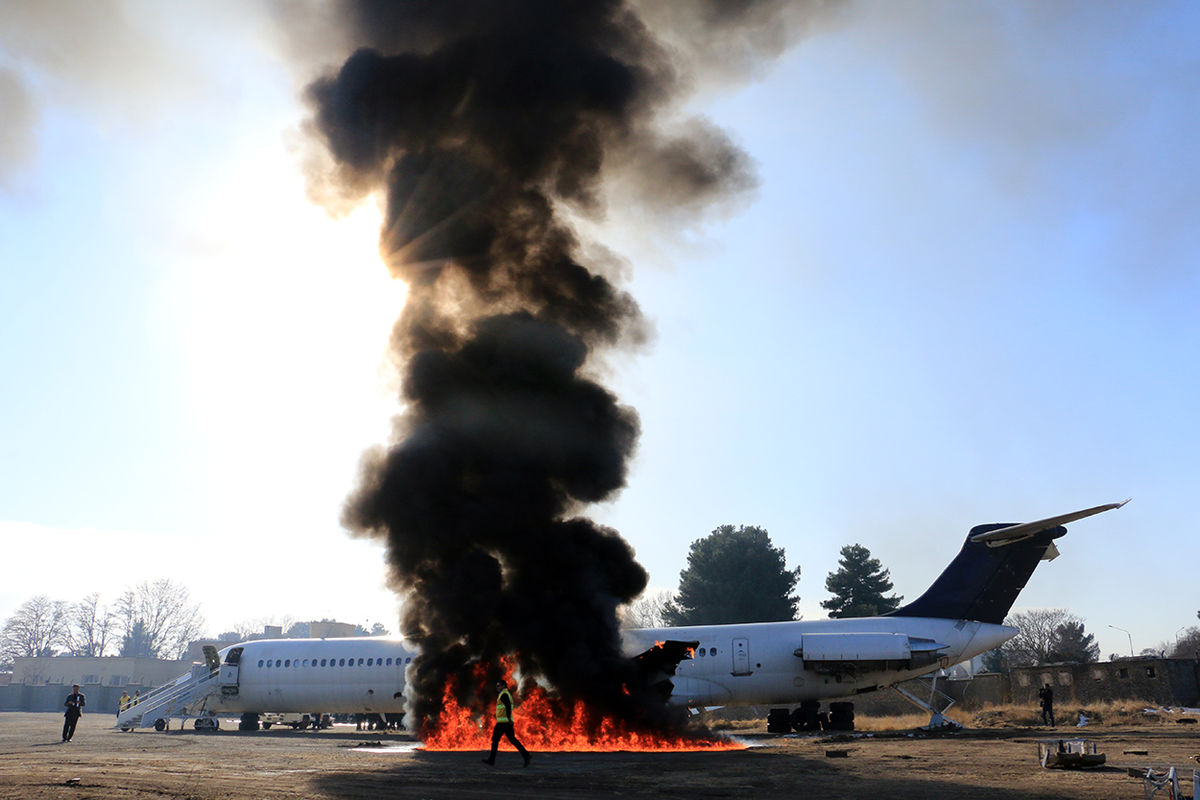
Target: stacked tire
x: 779, y: 720
x: 807, y: 718
x: 841, y: 716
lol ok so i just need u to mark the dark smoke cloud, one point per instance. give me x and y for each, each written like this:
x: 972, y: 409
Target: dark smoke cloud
x: 484, y: 121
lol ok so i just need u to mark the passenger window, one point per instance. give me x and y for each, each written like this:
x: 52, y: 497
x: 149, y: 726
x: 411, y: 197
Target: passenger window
x: 370, y: 662
x: 408, y: 660
x: 389, y: 662
x: 702, y: 652
x: 260, y: 663
x: 322, y: 662
x: 712, y: 651
x: 360, y: 662
x: 305, y: 662
x: 341, y: 662
x: 287, y: 663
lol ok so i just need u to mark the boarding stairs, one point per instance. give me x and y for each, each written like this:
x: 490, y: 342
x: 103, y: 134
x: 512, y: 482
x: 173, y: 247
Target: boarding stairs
x: 186, y: 696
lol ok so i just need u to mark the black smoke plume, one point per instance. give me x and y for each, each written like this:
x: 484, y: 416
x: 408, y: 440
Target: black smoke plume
x: 483, y: 121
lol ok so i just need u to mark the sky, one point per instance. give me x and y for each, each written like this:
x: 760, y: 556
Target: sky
x: 962, y: 292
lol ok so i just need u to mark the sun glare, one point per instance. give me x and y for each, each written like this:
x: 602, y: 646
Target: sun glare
x: 288, y: 325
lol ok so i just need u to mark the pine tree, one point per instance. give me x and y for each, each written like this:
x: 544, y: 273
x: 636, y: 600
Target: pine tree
x: 734, y: 575
x: 1070, y: 643
x: 859, y: 585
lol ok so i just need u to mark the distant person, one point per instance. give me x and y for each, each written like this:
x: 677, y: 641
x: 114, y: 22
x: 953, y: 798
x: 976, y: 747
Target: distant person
x: 504, y: 725
x: 75, y: 703
x: 137, y: 695
x: 124, y: 702
x: 1046, y: 695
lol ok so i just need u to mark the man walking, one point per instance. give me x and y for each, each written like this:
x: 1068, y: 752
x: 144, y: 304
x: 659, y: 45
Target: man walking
x: 75, y: 703
x: 504, y: 725
x: 1046, y: 695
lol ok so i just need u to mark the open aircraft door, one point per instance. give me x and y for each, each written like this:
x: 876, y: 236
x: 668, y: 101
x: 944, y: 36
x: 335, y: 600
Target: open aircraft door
x: 741, y: 657
x: 227, y: 679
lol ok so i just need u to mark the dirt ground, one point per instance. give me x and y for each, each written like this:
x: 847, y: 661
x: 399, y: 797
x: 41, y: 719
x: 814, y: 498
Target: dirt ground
x: 343, y: 764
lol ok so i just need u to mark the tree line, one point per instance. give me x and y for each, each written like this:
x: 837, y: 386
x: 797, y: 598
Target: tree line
x: 735, y: 574
x: 152, y: 619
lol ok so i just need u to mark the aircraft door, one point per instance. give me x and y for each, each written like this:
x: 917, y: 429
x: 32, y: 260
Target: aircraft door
x: 227, y: 678
x: 741, y: 657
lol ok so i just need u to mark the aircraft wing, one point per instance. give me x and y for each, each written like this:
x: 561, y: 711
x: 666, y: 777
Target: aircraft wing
x: 1024, y: 530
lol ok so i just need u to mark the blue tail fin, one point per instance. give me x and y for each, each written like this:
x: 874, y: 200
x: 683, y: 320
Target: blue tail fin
x: 983, y: 581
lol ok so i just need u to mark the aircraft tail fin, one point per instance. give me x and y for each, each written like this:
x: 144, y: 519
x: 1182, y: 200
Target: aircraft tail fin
x: 984, y: 579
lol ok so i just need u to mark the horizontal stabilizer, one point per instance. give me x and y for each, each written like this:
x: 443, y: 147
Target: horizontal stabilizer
x: 996, y: 561
x: 1024, y: 530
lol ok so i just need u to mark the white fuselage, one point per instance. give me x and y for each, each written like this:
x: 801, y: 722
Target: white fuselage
x: 356, y: 675
x: 732, y: 664
x: 757, y: 663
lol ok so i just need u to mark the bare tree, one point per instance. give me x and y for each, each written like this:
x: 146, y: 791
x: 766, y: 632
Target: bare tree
x: 1039, y: 636
x: 648, y: 610
x: 158, y: 619
x: 1185, y: 646
x: 89, y: 627
x: 253, y: 628
x: 37, y: 628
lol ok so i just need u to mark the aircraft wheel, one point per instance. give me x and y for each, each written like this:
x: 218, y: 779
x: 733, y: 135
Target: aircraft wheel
x: 160, y: 724
x: 126, y: 730
x: 266, y: 726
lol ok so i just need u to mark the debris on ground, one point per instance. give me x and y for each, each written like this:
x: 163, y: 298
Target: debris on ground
x: 1069, y: 754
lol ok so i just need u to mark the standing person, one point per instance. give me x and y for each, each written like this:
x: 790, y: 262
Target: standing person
x: 75, y: 703
x: 124, y: 702
x: 1046, y: 695
x: 504, y: 725
x: 137, y: 695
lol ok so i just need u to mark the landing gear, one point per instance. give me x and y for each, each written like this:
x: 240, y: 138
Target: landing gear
x: 249, y: 722
x: 206, y: 724
x: 160, y: 724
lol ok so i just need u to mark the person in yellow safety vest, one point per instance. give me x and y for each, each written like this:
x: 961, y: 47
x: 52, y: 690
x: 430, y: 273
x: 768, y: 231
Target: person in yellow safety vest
x: 137, y: 695
x: 504, y: 725
x: 124, y: 702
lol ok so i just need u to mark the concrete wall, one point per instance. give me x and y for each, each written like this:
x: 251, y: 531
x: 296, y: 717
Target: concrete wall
x: 108, y: 671
x: 1166, y: 681
x: 100, y: 699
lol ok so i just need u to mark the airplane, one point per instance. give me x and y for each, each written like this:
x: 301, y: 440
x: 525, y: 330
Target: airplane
x: 960, y: 616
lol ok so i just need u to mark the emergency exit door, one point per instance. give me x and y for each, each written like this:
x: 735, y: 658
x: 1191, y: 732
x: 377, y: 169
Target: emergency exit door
x: 741, y: 657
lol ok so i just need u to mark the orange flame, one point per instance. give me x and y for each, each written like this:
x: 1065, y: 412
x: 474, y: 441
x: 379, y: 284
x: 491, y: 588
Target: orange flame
x: 548, y: 724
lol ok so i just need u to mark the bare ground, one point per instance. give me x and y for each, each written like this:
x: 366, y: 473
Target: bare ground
x: 343, y: 764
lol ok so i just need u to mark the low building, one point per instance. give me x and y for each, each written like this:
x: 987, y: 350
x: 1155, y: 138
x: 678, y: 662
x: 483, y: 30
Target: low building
x: 41, y: 684
x: 1165, y: 681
